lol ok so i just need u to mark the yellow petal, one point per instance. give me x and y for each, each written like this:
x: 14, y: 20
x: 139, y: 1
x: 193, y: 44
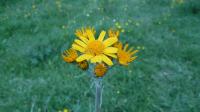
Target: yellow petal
x: 133, y: 58
x: 123, y: 63
x: 118, y: 45
x: 79, y: 33
x: 132, y: 53
x: 67, y: 52
x: 106, y: 60
x: 84, y: 57
x: 90, y: 35
x: 85, y: 40
x: 96, y: 59
x: 102, y: 35
x: 78, y: 48
x: 130, y: 50
x: 81, y: 43
x: 111, y: 55
x: 113, y: 37
x: 110, y: 41
x: 110, y: 50
x: 126, y: 46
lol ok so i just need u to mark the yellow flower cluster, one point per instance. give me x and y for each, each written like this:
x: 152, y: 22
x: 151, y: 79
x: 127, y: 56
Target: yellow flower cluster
x: 65, y: 110
x: 100, y: 51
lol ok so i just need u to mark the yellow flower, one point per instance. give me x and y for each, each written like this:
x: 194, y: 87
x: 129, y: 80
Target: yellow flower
x: 113, y: 33
x: 100, y: 70
x: 83, y: 65
x: 95, y: 50
x: 125, y: 56
x: 70, y: 55
x: 65, y: 110
x: 83, y: 32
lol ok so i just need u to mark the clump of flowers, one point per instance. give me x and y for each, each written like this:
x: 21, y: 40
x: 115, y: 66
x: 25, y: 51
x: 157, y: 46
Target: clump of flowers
x: 98, y: 52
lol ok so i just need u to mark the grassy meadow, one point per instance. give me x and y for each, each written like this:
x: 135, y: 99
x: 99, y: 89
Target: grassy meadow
x: 164, y: 78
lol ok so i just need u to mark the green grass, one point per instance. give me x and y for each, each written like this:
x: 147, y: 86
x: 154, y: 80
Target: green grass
x: 165, y: 77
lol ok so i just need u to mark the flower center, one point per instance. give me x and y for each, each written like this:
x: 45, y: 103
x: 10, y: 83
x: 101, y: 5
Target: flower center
x: 95, y: 47
x: 123, y: 56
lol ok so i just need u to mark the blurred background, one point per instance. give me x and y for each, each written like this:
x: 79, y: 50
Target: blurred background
x: 164, y: 78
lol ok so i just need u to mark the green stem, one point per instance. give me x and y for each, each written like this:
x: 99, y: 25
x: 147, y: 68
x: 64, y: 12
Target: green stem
x: 98, y: 96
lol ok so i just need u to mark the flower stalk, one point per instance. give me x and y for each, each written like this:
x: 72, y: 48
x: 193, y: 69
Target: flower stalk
x: 98, y: 94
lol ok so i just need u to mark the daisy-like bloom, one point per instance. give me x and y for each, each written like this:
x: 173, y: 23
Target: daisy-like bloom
x: 126, y: 56
x: 113, y: 33
x: 83, y: 65
x: 100, y: 70
x: 95, y: 50
x: 83, y: 32
x: 70, y: 55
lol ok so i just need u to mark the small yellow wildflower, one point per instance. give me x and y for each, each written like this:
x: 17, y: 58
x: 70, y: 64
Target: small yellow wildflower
x: 125, y: 56
x: 95, y: 50
x: 83, y: 65
x: 65, y: 110
x: 70, y: 55
x: 100, y: 70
